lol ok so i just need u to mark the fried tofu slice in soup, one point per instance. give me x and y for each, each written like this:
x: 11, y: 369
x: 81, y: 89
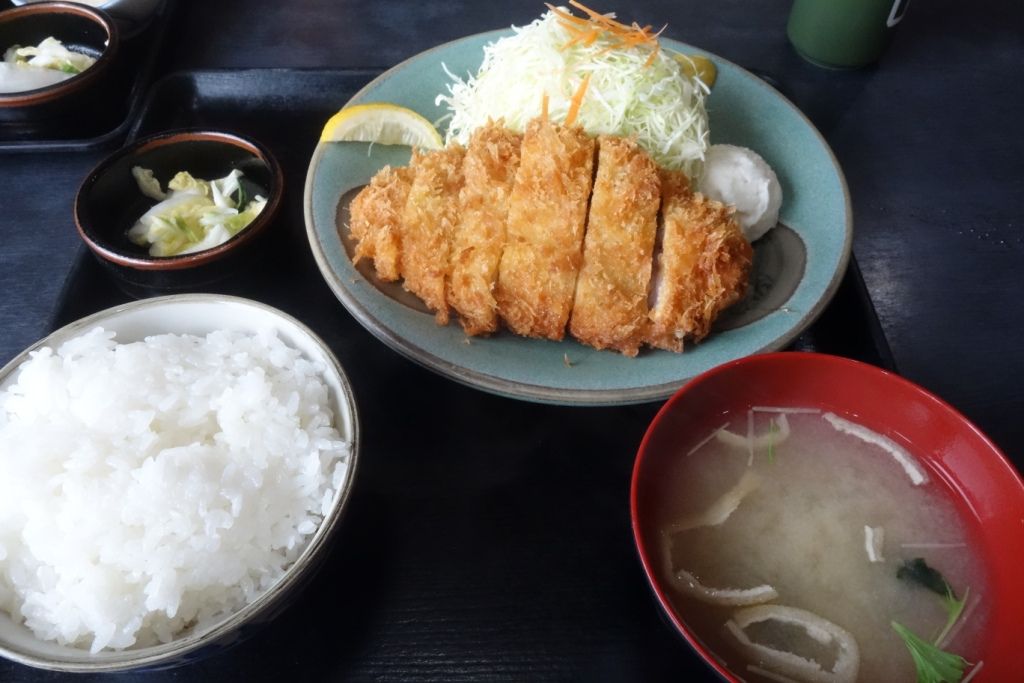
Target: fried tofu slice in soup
x: 610, y: 306
x: 375, y: 216
x: 702, y: 266
x: 428, y: 223
x: 546, y: 221
x: 489, y: 170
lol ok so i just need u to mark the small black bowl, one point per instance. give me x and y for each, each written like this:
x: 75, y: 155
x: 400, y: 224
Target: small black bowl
x: 109, y: 203
x: 80, y: 99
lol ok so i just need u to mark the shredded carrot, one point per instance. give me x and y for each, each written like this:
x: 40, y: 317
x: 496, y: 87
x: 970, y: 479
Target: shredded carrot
x: 585, y: 37
x: 544, y: 107
x: 567, y: 17
x: 586, y: 30
x: 577, y: 100
x: 654, y: 53
x: 593, y: 14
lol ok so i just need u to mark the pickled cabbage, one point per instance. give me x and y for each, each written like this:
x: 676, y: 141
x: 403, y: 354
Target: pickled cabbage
x: 195, y: 215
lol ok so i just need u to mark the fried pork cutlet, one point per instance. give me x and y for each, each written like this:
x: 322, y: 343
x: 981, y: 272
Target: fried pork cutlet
x: 489, y: 169
x: 610, y: 307
x: 428, y: 223
x: 702, y: 268
x: 375, y: 217
x: 546, y: 220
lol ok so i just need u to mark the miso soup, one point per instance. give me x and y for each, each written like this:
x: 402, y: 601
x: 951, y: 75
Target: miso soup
x: 790, y: 540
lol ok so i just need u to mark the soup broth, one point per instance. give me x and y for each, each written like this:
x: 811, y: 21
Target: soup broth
x: 807, y: 516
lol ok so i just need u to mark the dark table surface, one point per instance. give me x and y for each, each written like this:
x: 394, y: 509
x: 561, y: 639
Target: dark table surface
x: 930, y: 143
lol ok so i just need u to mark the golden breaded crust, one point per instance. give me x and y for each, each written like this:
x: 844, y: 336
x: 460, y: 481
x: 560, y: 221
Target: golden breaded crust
x: 702, y: 268
x: 375, y: 217
x: 610, y: 306
x: 428, y: 222
x: 546, y: 221
x: 725, y: 268
x: 489, y: 170
x: 675, y: 255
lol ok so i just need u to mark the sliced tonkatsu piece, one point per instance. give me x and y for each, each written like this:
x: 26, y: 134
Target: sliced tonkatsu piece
x: 702, y: 266
x: 546, y: 221
x: 610, y: 306
x: 670, y: 289
x: 428, y: 222
x: 489, y: 169
x: 375, y: 217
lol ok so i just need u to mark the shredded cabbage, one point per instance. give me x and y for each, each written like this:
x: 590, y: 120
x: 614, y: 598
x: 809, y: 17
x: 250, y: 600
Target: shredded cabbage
x: 657, y: 102
x: 195, y: 215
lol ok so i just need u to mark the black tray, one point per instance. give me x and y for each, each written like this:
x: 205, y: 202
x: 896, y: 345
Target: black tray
x: 487, y: 538
x: 133, y: 70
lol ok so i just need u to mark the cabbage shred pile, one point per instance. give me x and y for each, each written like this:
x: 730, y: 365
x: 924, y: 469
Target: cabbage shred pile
x: 634, y: 91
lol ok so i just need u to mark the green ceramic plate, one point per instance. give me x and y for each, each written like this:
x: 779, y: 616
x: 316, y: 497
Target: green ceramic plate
x: 798, y: 265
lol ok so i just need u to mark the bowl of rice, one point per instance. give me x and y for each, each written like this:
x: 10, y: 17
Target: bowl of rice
x: 174, y: 469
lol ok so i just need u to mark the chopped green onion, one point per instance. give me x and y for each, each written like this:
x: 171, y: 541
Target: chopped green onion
x: 918, y: 571
x: 933, y: 665
x: 954, y: 608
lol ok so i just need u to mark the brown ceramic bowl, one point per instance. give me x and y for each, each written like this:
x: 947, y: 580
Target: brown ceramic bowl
x: 109, y: 202
x: 81, y: 29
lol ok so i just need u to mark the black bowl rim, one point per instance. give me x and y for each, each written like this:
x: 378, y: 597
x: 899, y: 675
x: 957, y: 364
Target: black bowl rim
x: 181, y: 262
x: 78, y: 82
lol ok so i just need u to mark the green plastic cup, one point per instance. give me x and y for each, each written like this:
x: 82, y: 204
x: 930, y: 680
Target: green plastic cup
x: 843, y: 33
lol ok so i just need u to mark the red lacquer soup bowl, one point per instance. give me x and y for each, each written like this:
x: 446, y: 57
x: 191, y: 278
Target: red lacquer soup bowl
x: 984, y: 486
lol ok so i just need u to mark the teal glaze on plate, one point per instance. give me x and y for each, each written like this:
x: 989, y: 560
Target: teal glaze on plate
x: 743, y: 110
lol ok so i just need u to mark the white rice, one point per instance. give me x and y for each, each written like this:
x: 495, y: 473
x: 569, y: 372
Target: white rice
x: 153, y: 487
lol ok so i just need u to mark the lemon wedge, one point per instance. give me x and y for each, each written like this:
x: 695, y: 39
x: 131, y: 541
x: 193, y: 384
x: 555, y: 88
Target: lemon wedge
x: 383, y: 124
x: 696, y: 66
